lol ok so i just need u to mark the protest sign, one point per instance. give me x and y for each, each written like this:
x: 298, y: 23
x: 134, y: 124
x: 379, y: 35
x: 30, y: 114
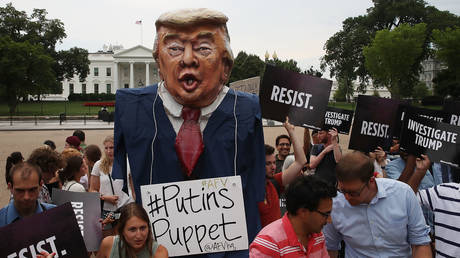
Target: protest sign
x: 87, y: 209
x: 303, y: 98
x: 452, y: 107
x: 338, y: 118
x: 436, y: 139
x: 55, y: 230
x: 373, y: 123
x: 436, y: 115
x: 197, y: 216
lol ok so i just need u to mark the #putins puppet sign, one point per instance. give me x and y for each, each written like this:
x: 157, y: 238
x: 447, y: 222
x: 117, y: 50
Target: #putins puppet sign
x: 197, y: 216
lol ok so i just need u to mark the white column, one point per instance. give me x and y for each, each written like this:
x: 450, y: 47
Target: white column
x: 115, y: 76
x: 147, y: 74
x: 131, y: 74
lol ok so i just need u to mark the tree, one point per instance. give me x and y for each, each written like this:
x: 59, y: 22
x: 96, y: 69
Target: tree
x: 391, y: 56
x: 246, y: 66
x: 446, y: 84
x: 447, y: 45
x: 24, y: 69
x: 313, y: 72
x: 42, y: 35
x: 420, y: 91
x: 344, y: 55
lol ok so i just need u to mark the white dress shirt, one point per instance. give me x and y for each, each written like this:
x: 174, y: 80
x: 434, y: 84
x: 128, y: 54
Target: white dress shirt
x: 174, y: 109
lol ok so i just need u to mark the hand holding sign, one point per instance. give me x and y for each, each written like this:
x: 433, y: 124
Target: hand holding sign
x: 46, y: 255
x: 289, y: 127
x: 423, y: 163
x: 333, y: 133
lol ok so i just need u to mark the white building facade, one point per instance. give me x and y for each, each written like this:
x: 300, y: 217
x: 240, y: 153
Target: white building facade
x: 114, y: 69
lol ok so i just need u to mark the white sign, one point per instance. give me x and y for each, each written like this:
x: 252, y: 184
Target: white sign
x: 198, y: 216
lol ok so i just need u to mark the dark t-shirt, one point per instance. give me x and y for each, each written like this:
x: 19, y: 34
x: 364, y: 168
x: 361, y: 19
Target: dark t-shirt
x: 326, y: 168
x: 279, y: 164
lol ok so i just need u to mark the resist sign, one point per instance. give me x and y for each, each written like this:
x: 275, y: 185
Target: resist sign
x: 198, y: 216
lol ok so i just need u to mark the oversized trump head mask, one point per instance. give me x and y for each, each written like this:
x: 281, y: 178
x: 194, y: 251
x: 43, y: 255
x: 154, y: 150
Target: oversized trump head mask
x: 192, y: 49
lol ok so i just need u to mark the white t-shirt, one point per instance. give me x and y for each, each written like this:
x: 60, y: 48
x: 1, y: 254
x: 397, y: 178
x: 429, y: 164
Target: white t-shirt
x: 106, y: 189
x: 73, y: 186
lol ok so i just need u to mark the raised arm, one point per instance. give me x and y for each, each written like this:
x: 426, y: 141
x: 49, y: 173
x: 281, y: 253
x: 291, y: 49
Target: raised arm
x: 335, y: 143
x: 422, y: 166
x: 294, y: 169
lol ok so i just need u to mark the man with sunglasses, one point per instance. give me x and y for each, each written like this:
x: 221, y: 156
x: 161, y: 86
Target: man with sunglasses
x: 298, y: 232
x: 375, y: 217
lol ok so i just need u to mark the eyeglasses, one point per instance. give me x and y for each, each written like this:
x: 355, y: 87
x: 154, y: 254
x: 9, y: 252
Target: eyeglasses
x: 351, y: 193
x: 324, y: 214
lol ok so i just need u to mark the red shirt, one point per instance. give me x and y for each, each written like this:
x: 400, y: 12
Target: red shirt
x: 279, y: 240
x: 269, y: 209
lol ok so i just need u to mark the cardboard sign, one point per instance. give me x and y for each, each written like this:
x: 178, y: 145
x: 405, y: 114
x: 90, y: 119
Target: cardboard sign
x: 303, y: 98
x: 338, y: 118
x: 436, y: 115
x: 87, y: 209
x: 198, y: 216
x: 440, y: 141
x: 55, y: 230
x: 373, y: 124
x: 453, y: 108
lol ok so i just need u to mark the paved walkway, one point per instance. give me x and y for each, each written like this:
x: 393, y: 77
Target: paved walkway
x: 43, y: 125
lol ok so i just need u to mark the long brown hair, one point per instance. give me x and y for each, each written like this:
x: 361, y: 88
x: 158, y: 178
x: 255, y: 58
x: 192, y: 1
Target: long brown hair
x: 128, y: 211
x: 106, y: 162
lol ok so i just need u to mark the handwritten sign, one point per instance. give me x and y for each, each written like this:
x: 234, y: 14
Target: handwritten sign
x: 87, y: 209
x: 198, y: 216
x: 302, y: 97
x: 54, y: 230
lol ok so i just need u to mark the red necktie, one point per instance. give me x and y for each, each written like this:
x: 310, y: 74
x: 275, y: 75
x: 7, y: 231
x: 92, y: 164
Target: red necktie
x: 189, y: 144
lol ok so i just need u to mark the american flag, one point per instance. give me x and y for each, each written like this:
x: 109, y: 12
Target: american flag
x: 139, y: 22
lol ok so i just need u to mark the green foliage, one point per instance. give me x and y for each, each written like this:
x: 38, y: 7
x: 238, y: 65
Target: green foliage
x: 420, y: 91
x: 391, y: 56
x: 447, y: 44
x: 34, y: 66
x: 446, y: 84
x: 24, y: 69
x: 246, y: 66
x: 344, y: 50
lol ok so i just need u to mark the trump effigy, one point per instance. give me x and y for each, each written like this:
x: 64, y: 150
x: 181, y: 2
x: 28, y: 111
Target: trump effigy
x: 190, y: 125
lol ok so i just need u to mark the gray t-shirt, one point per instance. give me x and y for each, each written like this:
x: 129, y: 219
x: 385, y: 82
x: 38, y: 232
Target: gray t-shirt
x: 326, y: 167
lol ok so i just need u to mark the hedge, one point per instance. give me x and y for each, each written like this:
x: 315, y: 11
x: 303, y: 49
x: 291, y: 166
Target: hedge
x: 91, y: 97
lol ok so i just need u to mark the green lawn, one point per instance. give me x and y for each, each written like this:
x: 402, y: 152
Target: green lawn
x: 52, y: 108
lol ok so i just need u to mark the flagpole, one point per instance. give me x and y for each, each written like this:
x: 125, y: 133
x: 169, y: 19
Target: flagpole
x: 142, y: 37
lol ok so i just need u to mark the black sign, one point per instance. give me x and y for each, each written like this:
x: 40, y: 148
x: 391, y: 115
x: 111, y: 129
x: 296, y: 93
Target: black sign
x: 338, y: 118
x: 373, y: 123
x: 436, y: 115
x: 303, y: 98
x: 440, y: 141
x: 453, y: 108
x: 87, y: 209
x: 54, y: 230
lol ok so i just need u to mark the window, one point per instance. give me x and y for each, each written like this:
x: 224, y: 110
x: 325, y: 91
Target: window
x: 126, y: 85
x: 108, y: 71
x: 96, y: 88
x: 96, y: 71
x: 71, y: 88
x: 83, y: 88
x: 109, y: 88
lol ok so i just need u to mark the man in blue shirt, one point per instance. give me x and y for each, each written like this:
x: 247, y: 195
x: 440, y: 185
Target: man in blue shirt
x: 25, y: 186
x: 376, y: 217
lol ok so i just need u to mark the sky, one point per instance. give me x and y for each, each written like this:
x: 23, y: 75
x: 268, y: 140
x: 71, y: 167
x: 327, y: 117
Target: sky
x: 294, y: 29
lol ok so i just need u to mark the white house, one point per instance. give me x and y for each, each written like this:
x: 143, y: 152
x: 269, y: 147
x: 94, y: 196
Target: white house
x: 114, y: 68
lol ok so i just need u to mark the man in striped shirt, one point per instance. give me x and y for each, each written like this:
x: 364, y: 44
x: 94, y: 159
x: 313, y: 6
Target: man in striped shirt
x: 298, y: 232
x: 444, y: 201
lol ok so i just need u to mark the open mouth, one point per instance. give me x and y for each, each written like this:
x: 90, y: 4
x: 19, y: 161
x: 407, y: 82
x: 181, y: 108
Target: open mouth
x: 189, y: 82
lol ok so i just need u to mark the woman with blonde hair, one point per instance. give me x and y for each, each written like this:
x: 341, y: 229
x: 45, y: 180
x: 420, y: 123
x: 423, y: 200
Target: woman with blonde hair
x: 110, y: 189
